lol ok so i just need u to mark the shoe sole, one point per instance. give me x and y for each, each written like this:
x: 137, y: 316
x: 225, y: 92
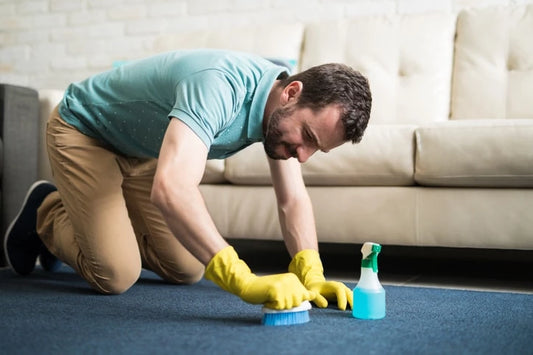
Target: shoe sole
x: 15, y: 220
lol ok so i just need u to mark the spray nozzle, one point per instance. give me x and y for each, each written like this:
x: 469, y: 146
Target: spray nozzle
x: 370, y: 253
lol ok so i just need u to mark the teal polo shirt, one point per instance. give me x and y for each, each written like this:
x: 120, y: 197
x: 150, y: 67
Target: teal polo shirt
x: 220, y: 95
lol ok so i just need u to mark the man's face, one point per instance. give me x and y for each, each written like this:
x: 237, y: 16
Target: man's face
x: 300, y: 132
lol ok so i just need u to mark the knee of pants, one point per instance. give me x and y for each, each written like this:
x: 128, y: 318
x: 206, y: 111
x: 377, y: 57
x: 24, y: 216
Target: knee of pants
x: 191, y: 275
x: 117, y: 279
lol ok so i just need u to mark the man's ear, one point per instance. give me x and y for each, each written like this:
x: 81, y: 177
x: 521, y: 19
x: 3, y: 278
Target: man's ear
x: 291, y: 92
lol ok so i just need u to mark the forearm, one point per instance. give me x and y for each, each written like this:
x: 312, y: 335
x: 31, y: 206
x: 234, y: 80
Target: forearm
x: 187, y: 217
x: 294, y: 206
x: 298, y: 225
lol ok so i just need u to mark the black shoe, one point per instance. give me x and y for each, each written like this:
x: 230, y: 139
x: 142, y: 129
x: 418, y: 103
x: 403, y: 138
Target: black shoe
x: 48, y: 261
x: 22, y: 245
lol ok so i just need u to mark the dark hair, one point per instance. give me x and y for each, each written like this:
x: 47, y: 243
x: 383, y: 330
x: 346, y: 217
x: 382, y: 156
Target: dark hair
x: 336, y: 84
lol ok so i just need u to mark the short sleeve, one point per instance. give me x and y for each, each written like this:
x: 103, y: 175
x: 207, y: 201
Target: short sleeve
x: 206, y: 101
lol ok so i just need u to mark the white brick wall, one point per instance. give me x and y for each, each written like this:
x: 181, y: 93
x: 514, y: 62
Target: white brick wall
x: 50, y: 43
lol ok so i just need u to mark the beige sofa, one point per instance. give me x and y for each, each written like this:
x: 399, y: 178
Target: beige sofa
x: 448, y: 157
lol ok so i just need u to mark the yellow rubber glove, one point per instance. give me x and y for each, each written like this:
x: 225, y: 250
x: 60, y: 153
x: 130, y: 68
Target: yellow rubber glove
x: 281, y: 291
x: 307, y: 265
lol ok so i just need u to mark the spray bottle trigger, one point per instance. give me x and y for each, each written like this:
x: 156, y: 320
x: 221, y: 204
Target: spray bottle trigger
x: 370, y: 253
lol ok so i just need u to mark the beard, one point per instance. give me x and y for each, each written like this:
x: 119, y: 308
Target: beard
x: 273, y: 134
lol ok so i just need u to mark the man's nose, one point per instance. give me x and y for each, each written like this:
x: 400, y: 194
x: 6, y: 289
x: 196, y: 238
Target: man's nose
x: 303, y: 153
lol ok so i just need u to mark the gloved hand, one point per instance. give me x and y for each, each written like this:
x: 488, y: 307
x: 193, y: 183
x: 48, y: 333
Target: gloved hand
x: 307, y: 266
x: 281, y: 291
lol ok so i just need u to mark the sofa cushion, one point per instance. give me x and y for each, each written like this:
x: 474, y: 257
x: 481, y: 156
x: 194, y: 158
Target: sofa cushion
x: 384, y: 157
x: 475, y: 153
x: 493, y: 72
x: 408, y: 60
x: 474, y: 218
x: 352, y: 214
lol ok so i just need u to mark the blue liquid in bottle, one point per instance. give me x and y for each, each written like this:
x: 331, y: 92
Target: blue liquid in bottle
x: 368, y: 303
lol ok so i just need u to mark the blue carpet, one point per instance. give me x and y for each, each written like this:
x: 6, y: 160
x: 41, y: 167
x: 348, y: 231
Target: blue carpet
x: 57, y: 313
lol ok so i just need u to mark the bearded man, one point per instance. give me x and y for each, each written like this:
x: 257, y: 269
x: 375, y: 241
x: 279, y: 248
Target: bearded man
x: 128, y: 148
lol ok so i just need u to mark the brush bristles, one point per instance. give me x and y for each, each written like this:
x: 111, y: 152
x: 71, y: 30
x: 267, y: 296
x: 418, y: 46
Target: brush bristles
x: 296, y: 315
x: 285, y: 318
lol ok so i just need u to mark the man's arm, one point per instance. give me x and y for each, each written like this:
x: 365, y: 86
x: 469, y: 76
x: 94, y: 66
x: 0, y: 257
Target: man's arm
x: 175, y: 191
x: 299, y: 232
x: 294, y: 206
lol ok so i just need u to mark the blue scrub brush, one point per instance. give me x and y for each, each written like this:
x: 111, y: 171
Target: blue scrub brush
x: 296, y: 315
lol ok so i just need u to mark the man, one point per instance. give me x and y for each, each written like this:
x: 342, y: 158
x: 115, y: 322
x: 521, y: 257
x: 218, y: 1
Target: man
x: 128, y: 149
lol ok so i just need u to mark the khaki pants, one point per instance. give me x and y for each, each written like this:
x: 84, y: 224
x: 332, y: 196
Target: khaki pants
x: 101, y: 221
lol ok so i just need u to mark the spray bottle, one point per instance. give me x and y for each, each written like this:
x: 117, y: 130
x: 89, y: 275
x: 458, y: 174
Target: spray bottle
x: 369, y: 295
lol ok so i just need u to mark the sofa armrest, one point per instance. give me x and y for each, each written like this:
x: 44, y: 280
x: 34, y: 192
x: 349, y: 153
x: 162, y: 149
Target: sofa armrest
x: 19, y: 115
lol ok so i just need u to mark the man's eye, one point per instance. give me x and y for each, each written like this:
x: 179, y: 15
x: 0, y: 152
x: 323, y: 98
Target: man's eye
x: 309, y: 137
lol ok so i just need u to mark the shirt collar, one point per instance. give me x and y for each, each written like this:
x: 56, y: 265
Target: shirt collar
x: 257, y: 108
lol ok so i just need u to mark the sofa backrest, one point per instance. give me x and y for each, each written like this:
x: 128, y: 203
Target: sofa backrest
x: 407, y: 59
x: 493, y: 72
